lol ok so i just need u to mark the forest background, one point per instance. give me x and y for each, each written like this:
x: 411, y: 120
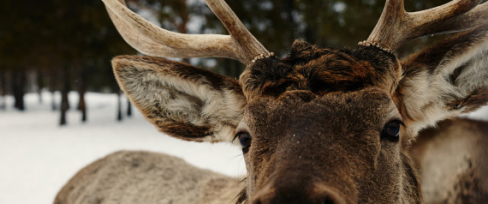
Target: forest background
x: 62, y: 46
x: 61, y: 108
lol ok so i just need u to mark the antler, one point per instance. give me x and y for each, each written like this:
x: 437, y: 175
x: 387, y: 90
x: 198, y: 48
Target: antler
x: 396, y: 26
x: 155, y: 41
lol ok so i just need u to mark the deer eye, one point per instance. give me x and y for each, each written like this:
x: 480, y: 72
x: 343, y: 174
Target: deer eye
x: 392, y: 130
x: 244, y: 140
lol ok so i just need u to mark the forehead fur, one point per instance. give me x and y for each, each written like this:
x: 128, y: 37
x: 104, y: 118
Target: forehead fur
x: 370, y: 107
x: 322, y: 71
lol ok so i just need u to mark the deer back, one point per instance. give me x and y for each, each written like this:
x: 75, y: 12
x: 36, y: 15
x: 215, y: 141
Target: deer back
x: 452, y: 161
x: 128, y: 177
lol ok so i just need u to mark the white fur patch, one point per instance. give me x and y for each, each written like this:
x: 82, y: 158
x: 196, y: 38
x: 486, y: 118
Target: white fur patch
x: 427, y: 94
x: 158, y: 90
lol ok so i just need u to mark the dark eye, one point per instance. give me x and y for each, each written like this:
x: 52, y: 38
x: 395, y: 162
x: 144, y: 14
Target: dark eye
x: 245, y: 140
x: 392, y: 130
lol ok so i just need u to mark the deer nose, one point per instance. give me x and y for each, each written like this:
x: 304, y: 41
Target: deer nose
x: 299, y: 195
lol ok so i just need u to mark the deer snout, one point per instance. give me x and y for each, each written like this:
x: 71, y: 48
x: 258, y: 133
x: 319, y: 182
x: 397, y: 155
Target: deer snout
x: 288, y: 194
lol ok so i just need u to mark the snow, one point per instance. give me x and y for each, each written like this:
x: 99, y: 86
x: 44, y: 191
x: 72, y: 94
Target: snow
x: 38, y: 157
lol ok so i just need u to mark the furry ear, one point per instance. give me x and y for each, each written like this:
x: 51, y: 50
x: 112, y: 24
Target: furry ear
x: 445, y: 80
x: 181, y: 100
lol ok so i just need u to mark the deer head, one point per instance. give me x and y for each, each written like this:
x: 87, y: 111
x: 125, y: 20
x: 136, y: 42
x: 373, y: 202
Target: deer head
x: 320, y: 125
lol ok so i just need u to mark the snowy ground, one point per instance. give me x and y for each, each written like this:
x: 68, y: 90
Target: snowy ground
x: 37, y: 156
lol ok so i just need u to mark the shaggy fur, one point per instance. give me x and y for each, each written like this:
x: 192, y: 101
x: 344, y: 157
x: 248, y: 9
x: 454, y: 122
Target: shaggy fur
x: 132, y: 177
x: 356, y: 165
x: 317, y: 118
x: 452, y: 159
x: 445, y: 80
x: 183, y: 101
x: 321, y: 71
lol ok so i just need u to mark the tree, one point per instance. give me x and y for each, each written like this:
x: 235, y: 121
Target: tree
x: 69, y: 44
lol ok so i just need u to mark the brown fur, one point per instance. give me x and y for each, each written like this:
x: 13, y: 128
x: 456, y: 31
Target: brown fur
x: 317, y: 119
x: 372, y: 168
x: 321, y: 71
x: 475, y: 100
x: 452, y: 159
x: 144, y: 177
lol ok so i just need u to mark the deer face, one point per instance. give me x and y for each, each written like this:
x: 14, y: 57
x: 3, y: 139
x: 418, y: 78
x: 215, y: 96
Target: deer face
x: 312, y: 149
x: 320, y: 125
x: 307, y: 149
x: 317, y: 130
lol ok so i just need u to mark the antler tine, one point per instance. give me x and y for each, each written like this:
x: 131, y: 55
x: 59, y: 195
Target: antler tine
x: 476, y: 17
x: 244, y: 38
x: 152, y: 40
x: 148, y: 46
x: 397, y: 26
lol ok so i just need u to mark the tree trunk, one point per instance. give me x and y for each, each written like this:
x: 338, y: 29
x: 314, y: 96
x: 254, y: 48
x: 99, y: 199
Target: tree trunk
x: 18, y: 89
x: 129, y: 108
x: 81, y: 91
x: 181, y: 27
x: 310, y: 35
x: 40, y: 85
x: 3, y: 90
x: 119, y: 107
x: 232, y: 68
x: 52, y: 89
x: 289, y: 6
x: 82, y: 104
x: 64, y: 96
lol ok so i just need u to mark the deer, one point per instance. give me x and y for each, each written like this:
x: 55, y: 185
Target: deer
x: 118, y: 177
x: 320, y: 125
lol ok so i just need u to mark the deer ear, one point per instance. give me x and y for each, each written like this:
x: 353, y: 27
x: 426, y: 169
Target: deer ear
x: 183, y: 101
x: 445, y: 80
